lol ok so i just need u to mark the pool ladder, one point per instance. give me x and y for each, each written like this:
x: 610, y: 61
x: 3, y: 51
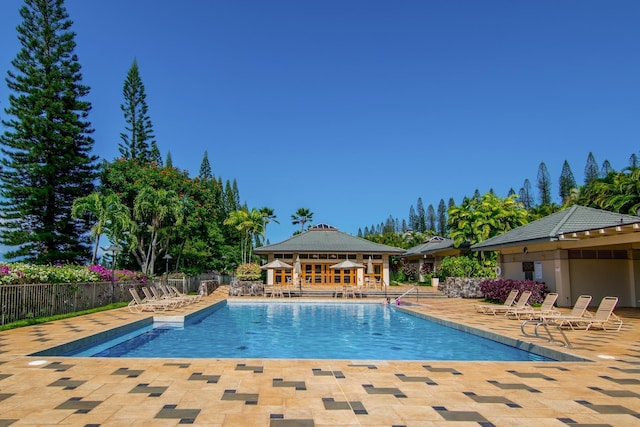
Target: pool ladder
x: 410, y: 290
x: 536, y: 334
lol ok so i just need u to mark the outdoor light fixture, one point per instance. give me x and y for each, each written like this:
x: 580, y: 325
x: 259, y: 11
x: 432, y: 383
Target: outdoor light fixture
x: 114, y: 250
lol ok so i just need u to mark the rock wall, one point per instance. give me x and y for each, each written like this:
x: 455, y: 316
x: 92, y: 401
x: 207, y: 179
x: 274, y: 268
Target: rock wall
x: 461, y: 287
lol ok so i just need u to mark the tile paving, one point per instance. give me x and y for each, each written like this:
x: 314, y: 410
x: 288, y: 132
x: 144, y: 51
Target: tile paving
x: 604, y: 390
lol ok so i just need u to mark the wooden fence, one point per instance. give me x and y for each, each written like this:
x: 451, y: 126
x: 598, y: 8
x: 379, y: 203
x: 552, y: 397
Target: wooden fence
x: 19, y: 302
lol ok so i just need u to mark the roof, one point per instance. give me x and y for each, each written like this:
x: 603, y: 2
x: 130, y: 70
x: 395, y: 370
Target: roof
x: 555, y: 226
x: 323, y: 238
x: 434, y: 244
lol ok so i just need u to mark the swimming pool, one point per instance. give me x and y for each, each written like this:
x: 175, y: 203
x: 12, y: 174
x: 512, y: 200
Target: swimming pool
x: 302, y: 330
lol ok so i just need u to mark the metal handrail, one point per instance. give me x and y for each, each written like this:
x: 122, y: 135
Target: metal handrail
x: 412, y: 289
x: 536, y: 334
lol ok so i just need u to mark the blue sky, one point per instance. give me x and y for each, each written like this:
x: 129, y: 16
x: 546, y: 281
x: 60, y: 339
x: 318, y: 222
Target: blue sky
x: 354, y: 109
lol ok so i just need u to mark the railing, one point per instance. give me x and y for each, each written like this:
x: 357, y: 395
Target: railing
x: 413, y: 288
x: 19, y: 302
x: 549, y: 336
x: 29, y: 301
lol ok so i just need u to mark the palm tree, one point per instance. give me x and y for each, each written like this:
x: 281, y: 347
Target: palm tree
x: 302, y: 216
x: 109, y: 213
x: 268, y: 215
x: 249, y: 223
x: 156, y: 211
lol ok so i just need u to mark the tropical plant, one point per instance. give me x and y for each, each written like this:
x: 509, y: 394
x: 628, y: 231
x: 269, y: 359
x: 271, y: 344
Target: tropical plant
x: 465, y: 266
x: 248, y: 271
x: 268, y: 215
x: 476, y: 220
x: 47, y: 161
x: 107, y: 213
x: 618, y: 192
x: 250, y: 224
x: 156, y: 211
x: 302, y: 216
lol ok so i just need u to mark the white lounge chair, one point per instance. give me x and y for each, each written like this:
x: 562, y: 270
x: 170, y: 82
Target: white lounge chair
x: 578, y: 311
x: 527, y: 312
x: 138, y: 305
x: 482, y: 308
x: 604, y: 317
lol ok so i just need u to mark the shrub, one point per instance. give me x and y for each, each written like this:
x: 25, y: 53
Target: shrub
x: 410, y: 271
x: 498, y: 289
x: 249, y: 271
x: 462, y: 266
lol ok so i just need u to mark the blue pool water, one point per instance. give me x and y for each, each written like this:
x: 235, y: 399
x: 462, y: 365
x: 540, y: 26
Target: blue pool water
x: 307, y: 331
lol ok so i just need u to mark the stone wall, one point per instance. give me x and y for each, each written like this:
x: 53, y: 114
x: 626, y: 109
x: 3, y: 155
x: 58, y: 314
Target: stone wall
x: 461, y: 287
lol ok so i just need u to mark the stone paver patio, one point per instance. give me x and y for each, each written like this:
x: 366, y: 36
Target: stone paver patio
x: 71, y: 391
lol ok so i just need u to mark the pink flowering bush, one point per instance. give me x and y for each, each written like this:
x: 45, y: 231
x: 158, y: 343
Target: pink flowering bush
x: 498, y: 289
x: 22, y: 273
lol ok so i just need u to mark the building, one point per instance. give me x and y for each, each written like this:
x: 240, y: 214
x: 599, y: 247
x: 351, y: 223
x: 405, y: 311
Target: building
x: 428, y: 256
x: 316, y: 253
x: 576, y: 251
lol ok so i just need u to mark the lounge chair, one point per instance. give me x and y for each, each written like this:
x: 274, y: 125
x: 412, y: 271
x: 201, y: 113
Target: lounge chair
x: 578, y: 311
x: 173, y: 292
x: 138, y: 305
x: 488, y: 308
x: 521, y: 303
x: 151, y: 297
x: 604, y: 317
x: 547, y: 308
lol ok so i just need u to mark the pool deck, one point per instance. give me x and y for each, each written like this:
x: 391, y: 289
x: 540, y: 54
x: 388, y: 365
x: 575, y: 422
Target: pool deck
x: 68, y: 391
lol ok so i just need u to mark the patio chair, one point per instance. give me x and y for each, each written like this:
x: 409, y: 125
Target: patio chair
x: 578, y: 311
x: 604, y: 317
x: 488, y: 308
x: 547, y: 308
x: 138, y: 305
x: 151, y: 297
x: 521, y: 303
x: 175, y: 292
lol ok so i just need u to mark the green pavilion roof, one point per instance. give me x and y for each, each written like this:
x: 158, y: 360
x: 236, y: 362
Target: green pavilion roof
x: 555, y: 226
x: 434, y: 244
x: 325, y: 238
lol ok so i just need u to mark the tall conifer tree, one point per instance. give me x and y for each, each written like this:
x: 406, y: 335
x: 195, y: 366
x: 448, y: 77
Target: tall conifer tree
x: 544, y: 185
x: 138, y: 138
x: 205, y: 168
x: 47, y: 161
x: 591, y: 171
x: 567, y: 182
x: 442, y: 218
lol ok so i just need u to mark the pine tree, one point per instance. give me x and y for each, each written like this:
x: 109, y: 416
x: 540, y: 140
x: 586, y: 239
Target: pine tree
x: 205, y: 168
x: 431, y: 219
x: 47, y: 161
x: 442, y: 219
x: 413, y: 218
x: 591, y: 171
x: 138, y: 136
x: 524, y: 196
x: 606, y: 168
x: 544, y: 185
x: 169, y: 161
x: 154, y: 154
x: 422, y: 217
x: 567, y: 182
x: 634, y: 161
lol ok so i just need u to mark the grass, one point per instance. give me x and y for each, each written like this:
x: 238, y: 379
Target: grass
x: 39, y: 320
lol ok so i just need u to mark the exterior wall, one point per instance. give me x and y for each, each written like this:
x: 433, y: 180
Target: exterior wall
x: 635, y: 277
x: 573, y: 277
x: 601, y: 278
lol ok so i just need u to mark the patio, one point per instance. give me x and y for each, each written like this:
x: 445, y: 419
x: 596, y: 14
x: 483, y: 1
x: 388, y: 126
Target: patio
x: 284, y: 393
